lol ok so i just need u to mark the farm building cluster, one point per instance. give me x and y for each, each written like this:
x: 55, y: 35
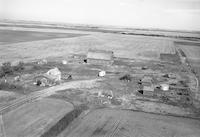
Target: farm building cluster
x: 169, y: 91
x: 168, y: 87
x: 156, y: 80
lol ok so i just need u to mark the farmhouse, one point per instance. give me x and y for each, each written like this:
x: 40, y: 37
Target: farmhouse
x: 100, y: 57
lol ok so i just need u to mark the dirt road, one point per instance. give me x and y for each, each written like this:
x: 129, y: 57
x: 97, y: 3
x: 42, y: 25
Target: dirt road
x: 47, y: 92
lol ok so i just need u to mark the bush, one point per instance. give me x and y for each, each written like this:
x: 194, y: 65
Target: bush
x: 2, y: 74
x: 6, y: 69
x: 126, y: 77
x: 19, y: 67
x: 10, y: 86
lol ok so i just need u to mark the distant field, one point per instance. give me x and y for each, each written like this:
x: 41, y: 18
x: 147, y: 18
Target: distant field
x: 188, y: 43
x: 128, y: 46
x: 177, y: 34
x: 30, y: 120
x: 120, y: 123
x: 15, y: 36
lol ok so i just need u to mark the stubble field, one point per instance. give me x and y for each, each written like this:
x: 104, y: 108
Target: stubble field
x: 122, y: 123
x: 30, y: 120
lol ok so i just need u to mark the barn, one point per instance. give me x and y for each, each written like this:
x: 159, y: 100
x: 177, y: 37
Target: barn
x: 100, y: 57
x: 148, y: 90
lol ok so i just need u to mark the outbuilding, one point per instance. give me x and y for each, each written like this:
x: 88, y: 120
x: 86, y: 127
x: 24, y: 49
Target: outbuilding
x: 148, y: 90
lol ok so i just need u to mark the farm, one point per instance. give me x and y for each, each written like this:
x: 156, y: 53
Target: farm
x: 63, y: 82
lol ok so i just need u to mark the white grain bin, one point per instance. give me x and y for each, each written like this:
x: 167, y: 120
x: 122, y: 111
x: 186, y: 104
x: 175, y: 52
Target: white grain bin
x: 102, y: 74
x: 164, y: 87
x: 64, y: 62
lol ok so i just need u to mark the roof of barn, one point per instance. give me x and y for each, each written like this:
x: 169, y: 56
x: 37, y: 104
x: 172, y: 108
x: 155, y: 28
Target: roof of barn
x: 100, y: 54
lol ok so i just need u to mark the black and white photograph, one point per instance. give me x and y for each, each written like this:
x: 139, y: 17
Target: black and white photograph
x: 99, y: 68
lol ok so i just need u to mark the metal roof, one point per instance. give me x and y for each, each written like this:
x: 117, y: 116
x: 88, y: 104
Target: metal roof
x: 148, y: 88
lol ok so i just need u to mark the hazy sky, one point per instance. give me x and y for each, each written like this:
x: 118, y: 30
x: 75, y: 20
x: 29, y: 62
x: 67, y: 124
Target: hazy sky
x: 165, y: 14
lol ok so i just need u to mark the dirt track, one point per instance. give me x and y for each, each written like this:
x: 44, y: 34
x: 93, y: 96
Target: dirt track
x: 47, y: 92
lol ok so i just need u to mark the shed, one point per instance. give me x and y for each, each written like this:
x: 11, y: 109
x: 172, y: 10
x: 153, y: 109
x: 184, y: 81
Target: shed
x: 102, y: 57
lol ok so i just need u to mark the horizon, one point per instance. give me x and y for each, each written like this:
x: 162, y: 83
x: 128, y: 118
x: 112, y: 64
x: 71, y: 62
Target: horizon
x: 180, y: 15
x: 95, y: 25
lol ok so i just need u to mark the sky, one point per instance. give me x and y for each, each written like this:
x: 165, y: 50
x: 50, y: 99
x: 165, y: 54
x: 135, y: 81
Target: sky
x: 162, y: 14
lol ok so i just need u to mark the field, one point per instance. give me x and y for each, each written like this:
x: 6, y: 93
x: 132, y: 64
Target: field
x: 31, y: 119
x: 191, y: 49
x: 123, y: 46
x: 15, y: 36
x: 6, y: 96
x: 122, y: 123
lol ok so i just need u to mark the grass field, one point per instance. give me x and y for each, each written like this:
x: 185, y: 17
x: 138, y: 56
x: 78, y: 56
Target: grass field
x: 30, y: 120
x: 121, y: 123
